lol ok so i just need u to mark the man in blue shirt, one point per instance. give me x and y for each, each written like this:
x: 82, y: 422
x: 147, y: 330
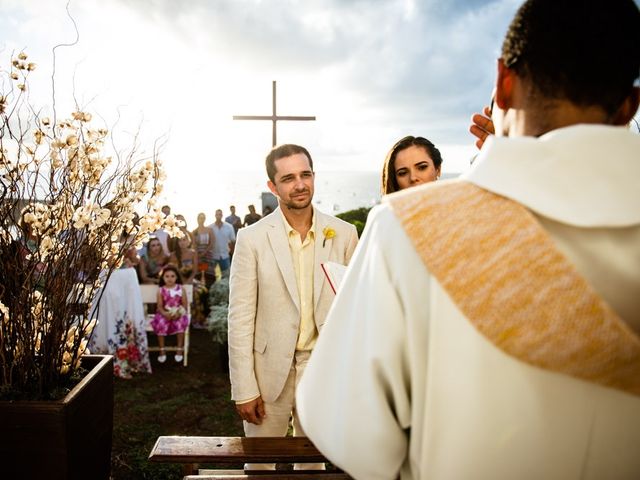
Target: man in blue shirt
x: 234, y: 219
x: 225, y: 242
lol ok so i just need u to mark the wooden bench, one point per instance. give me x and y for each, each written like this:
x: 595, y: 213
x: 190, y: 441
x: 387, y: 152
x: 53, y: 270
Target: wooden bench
x: 190, y: 451
x: 260, y: 475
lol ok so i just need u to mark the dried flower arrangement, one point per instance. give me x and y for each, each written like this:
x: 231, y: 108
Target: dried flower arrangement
x: 68, y: 213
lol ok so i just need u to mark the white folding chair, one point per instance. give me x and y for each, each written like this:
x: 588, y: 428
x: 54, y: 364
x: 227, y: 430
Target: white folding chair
x: 150, y: 297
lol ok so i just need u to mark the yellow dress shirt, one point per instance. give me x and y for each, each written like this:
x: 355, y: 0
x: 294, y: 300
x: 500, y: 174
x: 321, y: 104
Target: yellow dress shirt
x: 302, y: 255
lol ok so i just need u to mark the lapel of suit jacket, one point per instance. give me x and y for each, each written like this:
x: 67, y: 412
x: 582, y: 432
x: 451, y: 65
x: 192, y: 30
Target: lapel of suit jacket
x: 277, y: 234
x: 321, y: 255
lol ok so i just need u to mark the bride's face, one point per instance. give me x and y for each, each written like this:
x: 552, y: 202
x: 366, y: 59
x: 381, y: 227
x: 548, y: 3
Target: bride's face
x: 414, y: 166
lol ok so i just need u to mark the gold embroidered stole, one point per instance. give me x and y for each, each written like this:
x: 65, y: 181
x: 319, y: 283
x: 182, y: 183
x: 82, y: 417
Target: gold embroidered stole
x: 503, y: 271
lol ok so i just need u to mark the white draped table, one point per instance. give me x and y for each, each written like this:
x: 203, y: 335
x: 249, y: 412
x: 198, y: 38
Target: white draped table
x: 121, y: 324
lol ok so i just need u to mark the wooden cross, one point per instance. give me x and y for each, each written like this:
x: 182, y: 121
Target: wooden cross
x: 274, y: 117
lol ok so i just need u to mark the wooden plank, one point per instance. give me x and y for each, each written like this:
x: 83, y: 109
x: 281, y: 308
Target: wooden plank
x: 211, y: 471
x: 280, y: 475
x: 228, y: 450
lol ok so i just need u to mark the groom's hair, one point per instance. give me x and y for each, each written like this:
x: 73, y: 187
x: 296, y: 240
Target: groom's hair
x: 584, y: 51
x: 282, y: 151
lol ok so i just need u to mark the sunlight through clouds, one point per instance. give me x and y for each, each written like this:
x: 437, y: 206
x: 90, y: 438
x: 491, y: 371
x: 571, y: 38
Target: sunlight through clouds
x: 370, y: 71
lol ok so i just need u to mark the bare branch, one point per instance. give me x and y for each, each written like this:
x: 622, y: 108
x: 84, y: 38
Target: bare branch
x: 53, y: 55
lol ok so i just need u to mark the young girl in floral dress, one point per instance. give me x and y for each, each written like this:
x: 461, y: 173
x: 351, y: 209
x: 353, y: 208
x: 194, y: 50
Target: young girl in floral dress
x: 171, y: 315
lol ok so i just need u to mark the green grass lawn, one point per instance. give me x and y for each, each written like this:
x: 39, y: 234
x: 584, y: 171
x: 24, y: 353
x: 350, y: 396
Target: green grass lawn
x: 174, y: 400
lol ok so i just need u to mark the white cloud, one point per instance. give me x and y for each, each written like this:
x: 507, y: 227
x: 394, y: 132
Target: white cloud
x: 370, y: 71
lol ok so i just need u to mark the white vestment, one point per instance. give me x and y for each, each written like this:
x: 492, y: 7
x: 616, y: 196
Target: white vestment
x: 400, y: 382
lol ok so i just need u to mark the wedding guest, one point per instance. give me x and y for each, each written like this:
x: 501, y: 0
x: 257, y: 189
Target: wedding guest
x: 173, y: 241
x: 161, y: 234
x: 234, y: 219
x: 489, y: 327
x: 205, y: 241
x: 224, y: 243
x: 171, y: 315
x: 152, y: 261
x: 131, y: 258
x: 180, y: 218
x: 251, y: 217
x: 410, y: 162
x: 185, y: 257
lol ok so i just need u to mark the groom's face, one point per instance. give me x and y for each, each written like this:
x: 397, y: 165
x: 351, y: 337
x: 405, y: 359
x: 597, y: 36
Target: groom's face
x: 293, y: 181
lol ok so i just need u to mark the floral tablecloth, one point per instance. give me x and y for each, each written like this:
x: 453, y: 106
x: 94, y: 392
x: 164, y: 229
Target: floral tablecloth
x: 121, y: 324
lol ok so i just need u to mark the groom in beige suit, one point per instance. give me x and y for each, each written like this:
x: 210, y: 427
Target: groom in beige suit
x: 279, y: 297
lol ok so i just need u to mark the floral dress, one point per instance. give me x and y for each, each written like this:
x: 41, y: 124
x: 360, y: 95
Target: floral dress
x: 171, y: 299
x: 121, y: 324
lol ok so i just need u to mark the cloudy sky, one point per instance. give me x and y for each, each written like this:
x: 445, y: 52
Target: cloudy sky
x: 371, y: 71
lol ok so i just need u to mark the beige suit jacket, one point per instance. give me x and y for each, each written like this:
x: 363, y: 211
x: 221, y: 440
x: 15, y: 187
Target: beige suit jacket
x: 264, y: 304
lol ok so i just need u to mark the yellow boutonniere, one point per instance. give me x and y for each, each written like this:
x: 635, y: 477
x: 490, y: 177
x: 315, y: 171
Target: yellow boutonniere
x: 328, y: 232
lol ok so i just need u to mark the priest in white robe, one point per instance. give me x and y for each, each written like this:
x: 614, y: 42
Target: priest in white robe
x: 489, y: 327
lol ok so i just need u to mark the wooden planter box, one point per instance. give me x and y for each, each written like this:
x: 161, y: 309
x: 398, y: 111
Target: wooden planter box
x: 65, y: 439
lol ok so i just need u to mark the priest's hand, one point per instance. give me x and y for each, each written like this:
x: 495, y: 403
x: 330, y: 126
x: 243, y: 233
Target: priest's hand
x: 252, y: 411
x: 482, y: 126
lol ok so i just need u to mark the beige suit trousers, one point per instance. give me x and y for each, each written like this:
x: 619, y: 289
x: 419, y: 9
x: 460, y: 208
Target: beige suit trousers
x: 280, y: 412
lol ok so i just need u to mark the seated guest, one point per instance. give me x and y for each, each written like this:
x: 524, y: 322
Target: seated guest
x: 131, y: 258
x: 152, y: 261
x: 411, y: 161
x: 171, y: 315
x: 489, y: 327
x: 185, y: 258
